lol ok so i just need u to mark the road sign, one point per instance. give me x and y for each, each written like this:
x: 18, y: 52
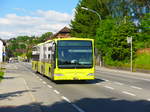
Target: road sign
x: 129, y: 39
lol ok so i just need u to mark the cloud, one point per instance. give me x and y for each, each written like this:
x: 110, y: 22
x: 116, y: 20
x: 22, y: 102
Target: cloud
x: 20, y: 9
x: 53, y: 15
x: 73, y: 13
x: 36, y: 24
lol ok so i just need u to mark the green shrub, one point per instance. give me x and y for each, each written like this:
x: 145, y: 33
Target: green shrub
x: 1, y: 75
x: 142, y: 61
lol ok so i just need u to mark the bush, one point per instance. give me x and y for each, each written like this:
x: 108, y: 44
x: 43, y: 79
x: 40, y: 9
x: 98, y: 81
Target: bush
x: 1, y: 75
x: 143, y: 61
x: 110, y: 62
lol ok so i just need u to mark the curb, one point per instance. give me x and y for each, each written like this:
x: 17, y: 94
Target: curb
x: 122, y: 71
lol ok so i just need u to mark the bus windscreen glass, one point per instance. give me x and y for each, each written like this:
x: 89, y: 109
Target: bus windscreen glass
x: 75, y: 54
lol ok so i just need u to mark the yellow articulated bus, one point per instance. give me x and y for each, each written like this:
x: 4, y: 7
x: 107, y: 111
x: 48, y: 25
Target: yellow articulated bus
x: 65, y: 59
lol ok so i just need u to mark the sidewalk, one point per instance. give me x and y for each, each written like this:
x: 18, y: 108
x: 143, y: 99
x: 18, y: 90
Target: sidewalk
x: 15, y: 95
x: 122, y: 71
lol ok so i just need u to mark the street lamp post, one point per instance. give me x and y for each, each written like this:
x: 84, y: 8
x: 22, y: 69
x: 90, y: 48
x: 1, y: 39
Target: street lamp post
x: 91, y: 10
x: 129, y: 40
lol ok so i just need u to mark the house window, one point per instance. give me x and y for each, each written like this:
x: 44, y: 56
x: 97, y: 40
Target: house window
x: 49, y: 56
x: 49, y: 48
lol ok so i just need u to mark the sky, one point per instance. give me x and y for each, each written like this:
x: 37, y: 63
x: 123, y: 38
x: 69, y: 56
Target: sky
x: 34, y: 17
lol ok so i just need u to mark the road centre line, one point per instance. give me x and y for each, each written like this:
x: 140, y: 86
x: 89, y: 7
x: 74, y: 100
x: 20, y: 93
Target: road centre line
x: 37, y: 77
x: 49, y: 86
x: 141, y: 79
x: 128, y: 93
x: 66, y: 99
x: 40, y: 79
x: 97, y: 83
x: 118, y: 83
x: 148, y: 99
x: 16, y: 67
x: 32, y: 97
x: 44, y: 82
x: 75, y: 106
x: 57, y: 92
x: 127, y: 76
x: 105, y: 80
x: 136, y: 87
x: 108, y: 87
x: 79, y: 109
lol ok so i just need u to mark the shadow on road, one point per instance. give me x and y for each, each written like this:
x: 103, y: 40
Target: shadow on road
x: 79, y: 81
x: 86, y: 104
x: 9, y: 77
x: 13, y: 94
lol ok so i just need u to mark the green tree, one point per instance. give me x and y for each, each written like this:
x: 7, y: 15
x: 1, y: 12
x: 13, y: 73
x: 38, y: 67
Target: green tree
x: 104, y: 35
x: 111, y: 38
x: 85, y: 22
x: 120, y: 49
x: 44, y: 37
x: 143, y: 37
x: 145, y: 26
x: 22, y: 46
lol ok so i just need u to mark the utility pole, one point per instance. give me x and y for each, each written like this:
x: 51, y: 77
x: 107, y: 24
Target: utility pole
x: 129, y: 40
x: 99, y: 16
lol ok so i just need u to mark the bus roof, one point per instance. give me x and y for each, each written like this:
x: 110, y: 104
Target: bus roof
x: 74, y: 38
x: 40, y: 44
x: 48, y: 41
x: 71, y: 38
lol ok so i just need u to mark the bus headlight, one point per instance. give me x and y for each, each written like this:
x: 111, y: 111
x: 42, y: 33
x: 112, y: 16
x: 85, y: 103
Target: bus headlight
x: 91, y: 74
x: 58, y: 75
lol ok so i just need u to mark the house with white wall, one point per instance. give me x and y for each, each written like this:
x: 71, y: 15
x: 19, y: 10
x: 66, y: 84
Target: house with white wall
x: 2, y: 50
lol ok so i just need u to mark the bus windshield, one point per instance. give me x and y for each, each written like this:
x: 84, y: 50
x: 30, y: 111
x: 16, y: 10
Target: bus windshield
x: 75, y: 54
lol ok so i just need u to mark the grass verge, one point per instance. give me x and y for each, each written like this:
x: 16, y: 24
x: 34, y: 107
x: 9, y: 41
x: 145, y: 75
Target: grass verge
x: 1, y: 75
x: 141, y: 62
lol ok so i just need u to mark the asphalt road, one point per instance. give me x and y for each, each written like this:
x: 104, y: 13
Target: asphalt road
x: 109, y: 92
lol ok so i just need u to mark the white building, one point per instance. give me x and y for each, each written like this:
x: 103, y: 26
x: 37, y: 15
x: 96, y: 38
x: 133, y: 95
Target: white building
x: 2, y: 48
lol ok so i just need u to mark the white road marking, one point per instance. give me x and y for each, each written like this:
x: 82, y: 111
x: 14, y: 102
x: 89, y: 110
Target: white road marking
x: 40, y: 79
x: 105, y: 80
x: 137, y: 78
x: 78, y: 108
x: 16, y: 67
x: 57, y: 92
x: 136, y: 87
x: 108, y: 87
x: 44, y: 82
x: 75, y: 106
x: 148, y: 99
x: 32, y: 97
x: 141, y: 78
x: 63, y: 97
x: 37, y: 77
x: 131, y: 77
x: 97, y: 83
x: 66, y: 99
x: 49, y: 86
x: 118, y: 83
x: 128, y: 93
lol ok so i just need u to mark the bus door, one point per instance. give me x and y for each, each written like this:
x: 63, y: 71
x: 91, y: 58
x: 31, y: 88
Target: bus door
x: 53, y: 60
